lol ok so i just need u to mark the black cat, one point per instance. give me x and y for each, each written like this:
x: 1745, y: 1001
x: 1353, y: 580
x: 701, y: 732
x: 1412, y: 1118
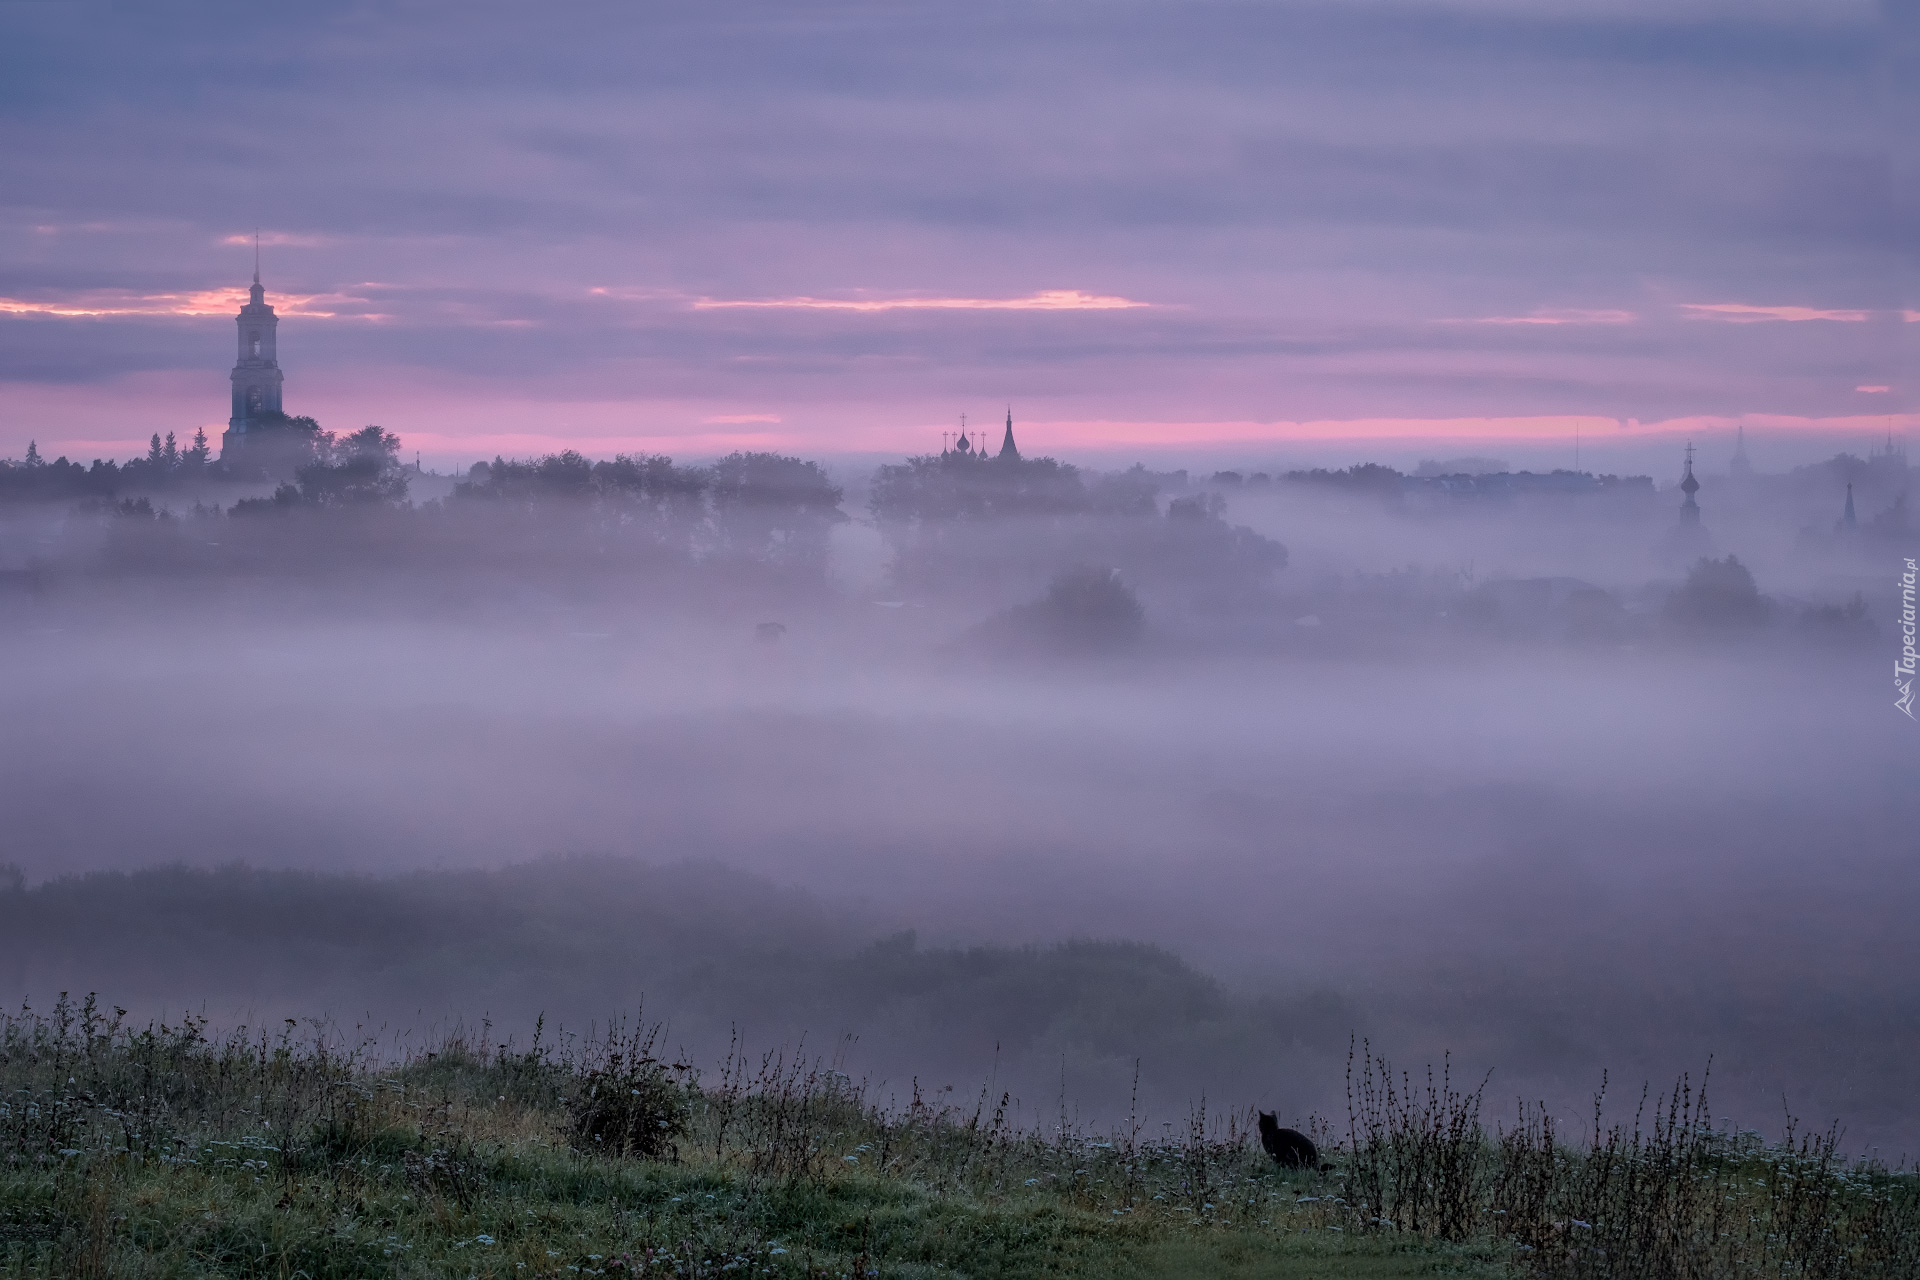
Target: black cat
x: 1290, y: 1148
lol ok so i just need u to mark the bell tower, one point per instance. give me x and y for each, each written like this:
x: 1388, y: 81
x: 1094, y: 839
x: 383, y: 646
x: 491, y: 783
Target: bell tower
x: 256, y: 374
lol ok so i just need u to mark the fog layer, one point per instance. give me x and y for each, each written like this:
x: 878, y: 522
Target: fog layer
x: 1547, y: 859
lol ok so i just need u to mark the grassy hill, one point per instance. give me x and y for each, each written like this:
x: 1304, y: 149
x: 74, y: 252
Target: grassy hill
x: 163, y: 1151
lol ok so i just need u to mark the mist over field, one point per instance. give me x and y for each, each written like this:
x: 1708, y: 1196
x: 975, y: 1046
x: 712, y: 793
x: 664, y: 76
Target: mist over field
x: 1363, y: 768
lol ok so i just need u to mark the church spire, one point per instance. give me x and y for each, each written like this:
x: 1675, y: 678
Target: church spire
x: 1689, y: 510
x: 1007, y: 448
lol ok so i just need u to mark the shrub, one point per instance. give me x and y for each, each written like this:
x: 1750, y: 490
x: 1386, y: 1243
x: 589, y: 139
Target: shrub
x: 1091, y: 606
x: 627, y: 1102
x: 1718, y: 594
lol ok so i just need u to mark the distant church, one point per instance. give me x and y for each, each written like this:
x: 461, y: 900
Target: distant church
x: 256, y: 374
x: 964, y: 447
x: 1689, y: 509
x: 1689, y: 537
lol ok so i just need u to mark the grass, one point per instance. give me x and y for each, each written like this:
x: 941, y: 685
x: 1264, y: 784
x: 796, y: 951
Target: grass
x: 163, y: 1151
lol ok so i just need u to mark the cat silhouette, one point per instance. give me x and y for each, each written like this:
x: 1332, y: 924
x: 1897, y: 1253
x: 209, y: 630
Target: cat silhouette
x: 1290, y: 1148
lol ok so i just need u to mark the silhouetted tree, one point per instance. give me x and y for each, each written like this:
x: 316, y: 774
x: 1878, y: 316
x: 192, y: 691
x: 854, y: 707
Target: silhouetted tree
x: 954, y: 486
x: 1133, y: 492
x: 200, y: 455
x: 1092, y: 602
x: 631, y: 509
x: 1196, y: 507
x: 1718, y: 594
x: 34, y: 479
x: 276, y: 447
x: 774, y: 508
x: 359, y: 470
x: 1368, y: 477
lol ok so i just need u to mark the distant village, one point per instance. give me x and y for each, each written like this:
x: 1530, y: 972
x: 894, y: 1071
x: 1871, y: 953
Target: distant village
x: 970, y: 521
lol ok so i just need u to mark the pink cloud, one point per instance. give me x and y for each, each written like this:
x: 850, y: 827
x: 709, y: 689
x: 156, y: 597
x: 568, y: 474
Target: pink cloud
x: 1741, y: 313
x: 1049, y: 300
x: 205, y: 302
x: 1872, y: 390
x: 737, y: 419
x: 1558, y: 315
x: 274, y: 239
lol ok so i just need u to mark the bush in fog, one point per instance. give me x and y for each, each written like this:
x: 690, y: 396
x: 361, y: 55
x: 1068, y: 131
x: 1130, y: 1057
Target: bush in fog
x: 1195, y: 548
x: 1839, y: 623
x: 1720, y: 595
x: 1086, y: 608
x: 1090, y: 602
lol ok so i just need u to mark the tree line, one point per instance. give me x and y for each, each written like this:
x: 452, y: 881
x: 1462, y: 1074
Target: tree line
x: 949, y: 521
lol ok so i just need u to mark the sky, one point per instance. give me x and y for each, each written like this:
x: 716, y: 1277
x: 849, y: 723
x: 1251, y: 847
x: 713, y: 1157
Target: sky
x: 1173, y: 231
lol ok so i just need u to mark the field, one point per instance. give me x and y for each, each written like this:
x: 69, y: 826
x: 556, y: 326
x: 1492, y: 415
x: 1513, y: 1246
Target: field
x: 164, y: 1151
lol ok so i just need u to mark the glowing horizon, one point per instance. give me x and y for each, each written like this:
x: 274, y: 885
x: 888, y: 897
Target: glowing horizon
x: 1165, y: 245
x: 1046, y: 300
